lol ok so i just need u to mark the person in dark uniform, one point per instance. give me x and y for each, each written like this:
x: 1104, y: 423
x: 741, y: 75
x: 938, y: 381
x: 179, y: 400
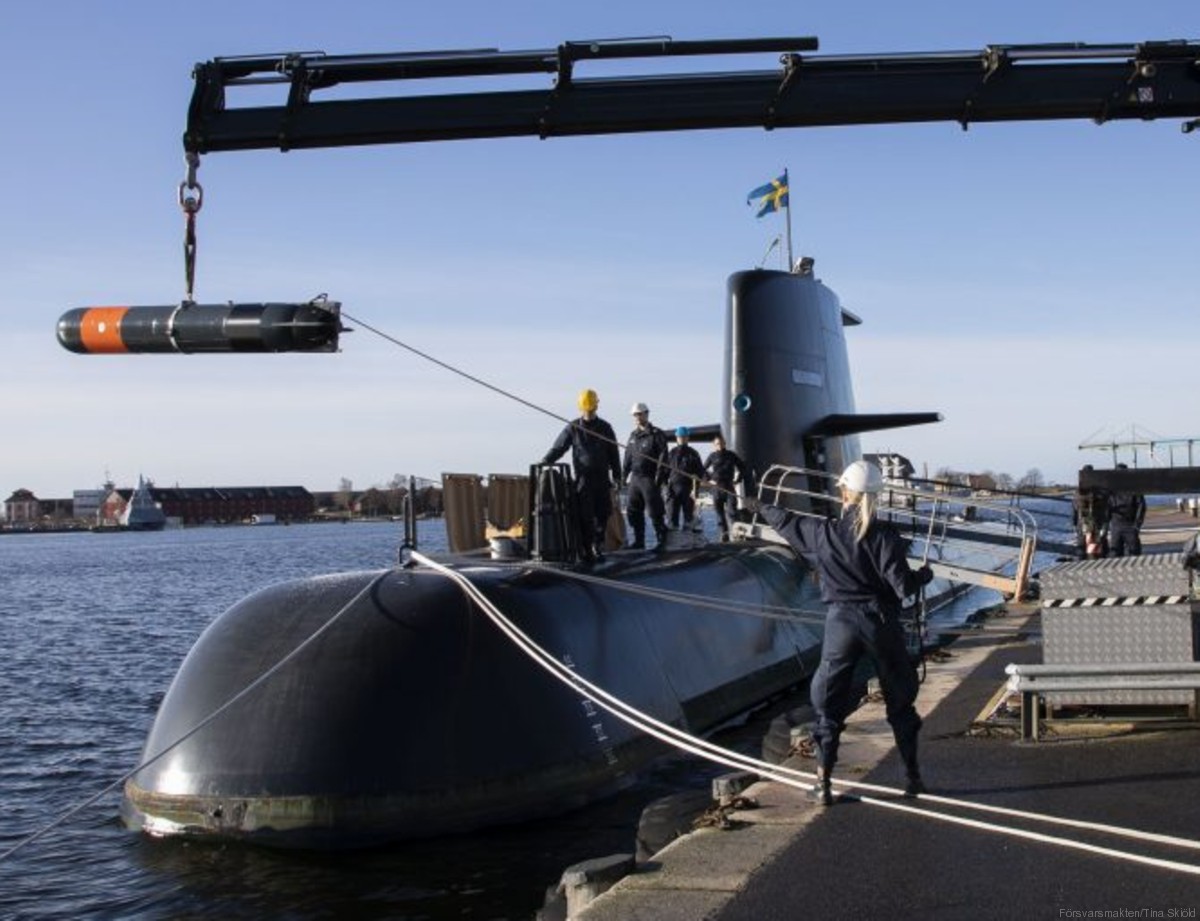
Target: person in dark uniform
x: 725, y: 469
x: 1091, y: 515
x: 686, y: 471
x: 596, y: 457
x: 864, y: 575
x: 645, y: 467
x: 1126, y: 512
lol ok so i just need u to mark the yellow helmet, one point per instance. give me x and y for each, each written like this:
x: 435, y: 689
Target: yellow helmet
x: 588, y: 401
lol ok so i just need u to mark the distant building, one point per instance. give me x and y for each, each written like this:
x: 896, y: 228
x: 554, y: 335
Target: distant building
x: 217, y: 504
x: 85, y: 504
x: 981, y: 482
x: 22, y: 507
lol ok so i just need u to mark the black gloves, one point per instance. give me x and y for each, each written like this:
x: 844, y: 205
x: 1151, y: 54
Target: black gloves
x: 925, y: 574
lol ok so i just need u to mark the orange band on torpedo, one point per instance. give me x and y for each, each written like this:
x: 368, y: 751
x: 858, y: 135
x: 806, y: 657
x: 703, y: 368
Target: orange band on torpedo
x: 100, y: 330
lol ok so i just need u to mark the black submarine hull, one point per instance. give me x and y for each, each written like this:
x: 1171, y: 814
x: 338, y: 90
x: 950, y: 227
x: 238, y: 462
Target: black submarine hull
x: 414, y: 716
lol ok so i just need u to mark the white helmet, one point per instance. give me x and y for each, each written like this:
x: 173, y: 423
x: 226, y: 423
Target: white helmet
x: 639, y: 408
x: 861, y: 477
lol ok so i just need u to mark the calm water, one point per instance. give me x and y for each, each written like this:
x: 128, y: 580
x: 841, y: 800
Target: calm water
x: 92, y: 630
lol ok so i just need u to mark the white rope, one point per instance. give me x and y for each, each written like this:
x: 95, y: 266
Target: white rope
x: 1133, y: 833
x: 801, y: 779
x: 656, y: 728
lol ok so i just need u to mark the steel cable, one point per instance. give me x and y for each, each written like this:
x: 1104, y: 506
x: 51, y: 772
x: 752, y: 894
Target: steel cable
x: 508, y: 394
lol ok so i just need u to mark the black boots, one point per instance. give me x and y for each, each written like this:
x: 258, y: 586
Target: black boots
x: 822, y: 793
x: 913, y: 785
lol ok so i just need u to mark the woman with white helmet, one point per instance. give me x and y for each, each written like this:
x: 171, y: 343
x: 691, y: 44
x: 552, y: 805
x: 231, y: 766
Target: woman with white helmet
x: 864, y: 576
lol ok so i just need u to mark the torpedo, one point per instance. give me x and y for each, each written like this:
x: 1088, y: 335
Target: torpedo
x: 312, y: 326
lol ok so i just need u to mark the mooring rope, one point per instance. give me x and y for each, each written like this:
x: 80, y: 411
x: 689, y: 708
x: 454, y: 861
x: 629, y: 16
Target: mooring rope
x: 801, y: 779
x: 248, y: 689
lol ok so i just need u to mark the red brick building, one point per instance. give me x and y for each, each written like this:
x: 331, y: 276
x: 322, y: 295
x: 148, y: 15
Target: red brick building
x: 220, y: 504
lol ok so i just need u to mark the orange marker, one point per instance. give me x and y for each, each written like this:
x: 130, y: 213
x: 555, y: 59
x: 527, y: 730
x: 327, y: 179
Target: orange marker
x: 93, y: 329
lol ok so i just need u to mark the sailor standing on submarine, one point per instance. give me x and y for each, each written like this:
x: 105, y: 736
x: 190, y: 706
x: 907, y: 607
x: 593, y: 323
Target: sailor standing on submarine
x: 645, y: 468
x: 686, y: 471
x: 864, y: 575
x: 595, y: 454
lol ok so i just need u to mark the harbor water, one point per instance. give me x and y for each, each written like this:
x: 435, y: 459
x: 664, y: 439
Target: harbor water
x: 93, y: 628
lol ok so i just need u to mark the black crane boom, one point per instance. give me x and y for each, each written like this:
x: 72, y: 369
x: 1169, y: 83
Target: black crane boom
x: 1147, y: 80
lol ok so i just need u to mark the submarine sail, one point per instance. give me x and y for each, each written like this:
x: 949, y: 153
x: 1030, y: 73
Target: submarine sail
x: 788, y: 395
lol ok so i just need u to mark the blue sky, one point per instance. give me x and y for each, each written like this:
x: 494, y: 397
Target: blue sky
x: 1033, y: 282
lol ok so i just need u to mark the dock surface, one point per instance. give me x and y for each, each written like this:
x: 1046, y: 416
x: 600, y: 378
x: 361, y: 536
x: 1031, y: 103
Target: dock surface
x: 1167, y: 528
x: 787, y: 859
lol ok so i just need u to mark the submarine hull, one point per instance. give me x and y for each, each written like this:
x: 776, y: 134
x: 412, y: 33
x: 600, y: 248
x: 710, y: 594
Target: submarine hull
x: 413, y: 715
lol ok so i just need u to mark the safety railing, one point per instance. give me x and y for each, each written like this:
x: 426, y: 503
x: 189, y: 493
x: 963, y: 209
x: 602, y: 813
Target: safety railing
x: 964, y: 537
x: 1034, y: 681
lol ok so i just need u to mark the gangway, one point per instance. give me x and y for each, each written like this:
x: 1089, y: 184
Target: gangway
x: 965, y: 538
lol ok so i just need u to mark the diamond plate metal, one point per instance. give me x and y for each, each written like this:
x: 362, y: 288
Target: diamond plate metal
x: 1136, y: 633
x: 1122, y: 577
x: 1120, y: 634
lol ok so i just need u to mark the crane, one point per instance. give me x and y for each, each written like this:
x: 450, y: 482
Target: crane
x: 333, y: 101
x: 1147, y: 80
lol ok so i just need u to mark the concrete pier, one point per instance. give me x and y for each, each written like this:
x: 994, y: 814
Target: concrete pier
x: 787, y: 859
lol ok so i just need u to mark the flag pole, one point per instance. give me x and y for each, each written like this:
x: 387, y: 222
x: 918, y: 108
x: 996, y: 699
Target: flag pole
x: 788, y: 208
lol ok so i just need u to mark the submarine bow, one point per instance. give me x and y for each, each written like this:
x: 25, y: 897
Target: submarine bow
x: 414, y: 716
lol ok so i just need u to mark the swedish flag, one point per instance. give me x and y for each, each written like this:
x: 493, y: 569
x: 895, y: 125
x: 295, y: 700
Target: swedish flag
x: 772, y: 196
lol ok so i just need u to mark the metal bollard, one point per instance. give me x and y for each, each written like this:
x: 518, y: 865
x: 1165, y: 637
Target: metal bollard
x: 728, y: 787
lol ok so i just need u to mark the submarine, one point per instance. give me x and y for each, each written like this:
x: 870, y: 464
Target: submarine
x: 414, y: 716
x: 368, y: 707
